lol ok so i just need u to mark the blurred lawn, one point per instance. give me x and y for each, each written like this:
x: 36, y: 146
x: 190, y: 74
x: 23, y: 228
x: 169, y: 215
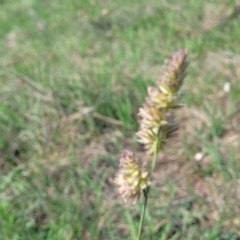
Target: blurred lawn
x: 73, y: 75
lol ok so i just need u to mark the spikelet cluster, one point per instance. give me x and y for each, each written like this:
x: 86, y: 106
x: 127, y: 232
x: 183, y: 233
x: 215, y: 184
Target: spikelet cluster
x: 156, y: 120
x: 156, y: 125
x: 131, y: 178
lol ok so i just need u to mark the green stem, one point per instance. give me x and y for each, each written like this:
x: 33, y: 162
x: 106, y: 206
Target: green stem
x: 143, y: 212
x: 159, y: 136
x: 147, y: 190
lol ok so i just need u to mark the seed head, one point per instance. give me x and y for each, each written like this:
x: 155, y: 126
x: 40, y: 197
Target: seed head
x: 156, y: 121
x: 130, y: 178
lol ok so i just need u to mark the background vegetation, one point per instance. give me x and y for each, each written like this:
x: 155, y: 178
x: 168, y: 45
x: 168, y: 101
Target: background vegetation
x: 73, y: 75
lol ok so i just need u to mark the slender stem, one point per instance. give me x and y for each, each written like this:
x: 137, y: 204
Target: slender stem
x: 158, y: 137
x: 143, y: 212
x: 147, y: 190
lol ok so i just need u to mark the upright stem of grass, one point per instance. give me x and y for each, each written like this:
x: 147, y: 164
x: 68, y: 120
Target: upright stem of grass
x: 143, y: 212
x: 147, y: 190
x: 158, y: 137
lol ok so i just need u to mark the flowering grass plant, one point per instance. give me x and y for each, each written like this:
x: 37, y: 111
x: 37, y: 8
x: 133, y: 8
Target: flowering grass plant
x: 156, y: 126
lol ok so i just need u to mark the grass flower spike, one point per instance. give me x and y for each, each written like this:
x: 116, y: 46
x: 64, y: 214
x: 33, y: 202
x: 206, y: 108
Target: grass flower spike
x: 156, y: 125
x: 131, y: 178
x: 156, y: 121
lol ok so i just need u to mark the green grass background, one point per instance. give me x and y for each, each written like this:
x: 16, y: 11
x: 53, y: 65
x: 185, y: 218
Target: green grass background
x: 73, y: 75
